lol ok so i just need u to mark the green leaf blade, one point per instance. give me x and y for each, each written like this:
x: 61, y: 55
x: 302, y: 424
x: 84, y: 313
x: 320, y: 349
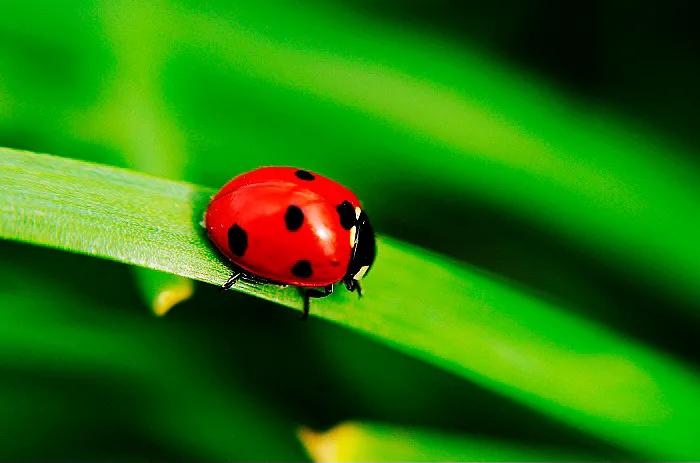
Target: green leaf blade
x: 445, y: 313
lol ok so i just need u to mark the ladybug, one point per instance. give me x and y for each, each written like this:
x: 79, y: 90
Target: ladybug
x: 289, y: 226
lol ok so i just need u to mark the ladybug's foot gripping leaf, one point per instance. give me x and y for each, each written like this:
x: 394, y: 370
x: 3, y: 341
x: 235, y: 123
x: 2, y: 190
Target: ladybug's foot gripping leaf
x: 235, y: 276
x: 309, y: 293
x: 358, y: 288
x: 353, y: 285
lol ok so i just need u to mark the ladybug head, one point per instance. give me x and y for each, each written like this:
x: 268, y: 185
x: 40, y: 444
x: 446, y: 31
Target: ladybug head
x: 363, y: 252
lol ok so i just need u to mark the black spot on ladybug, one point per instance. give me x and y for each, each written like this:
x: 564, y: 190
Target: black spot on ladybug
x: 347, y: 215
x: 304, y: 175
x: 237, y: 240
x: 293, y: 218
x: 302, y: 269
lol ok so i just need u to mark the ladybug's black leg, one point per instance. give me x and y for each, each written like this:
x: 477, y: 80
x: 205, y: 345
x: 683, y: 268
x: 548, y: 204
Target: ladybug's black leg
x: 305, y: 313
x: 315, y: 293
x: 235, y: 276
x: 353, y: 285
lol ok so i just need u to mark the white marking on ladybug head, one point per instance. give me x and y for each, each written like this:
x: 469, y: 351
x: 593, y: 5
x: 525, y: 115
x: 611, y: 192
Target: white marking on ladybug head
x: 353, y: 234
x: 358, y: 211
x: 361, y: 273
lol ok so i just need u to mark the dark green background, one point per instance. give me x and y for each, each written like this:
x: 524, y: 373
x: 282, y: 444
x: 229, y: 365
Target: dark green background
x: 88, y: 372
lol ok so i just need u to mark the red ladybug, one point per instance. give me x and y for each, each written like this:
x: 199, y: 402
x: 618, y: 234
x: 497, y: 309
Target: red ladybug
x: 290, y: 226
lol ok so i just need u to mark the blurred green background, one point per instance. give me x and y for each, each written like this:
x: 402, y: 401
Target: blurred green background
x: 551, y: 145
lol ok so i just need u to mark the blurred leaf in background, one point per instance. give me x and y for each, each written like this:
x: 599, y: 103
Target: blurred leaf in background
x: 134, y: 118
x: 371, y: 441
x: 551, y: 148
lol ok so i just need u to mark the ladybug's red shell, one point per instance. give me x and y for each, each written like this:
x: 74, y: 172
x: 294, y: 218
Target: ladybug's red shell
x: 332, y: 191
x: 285, y: 225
